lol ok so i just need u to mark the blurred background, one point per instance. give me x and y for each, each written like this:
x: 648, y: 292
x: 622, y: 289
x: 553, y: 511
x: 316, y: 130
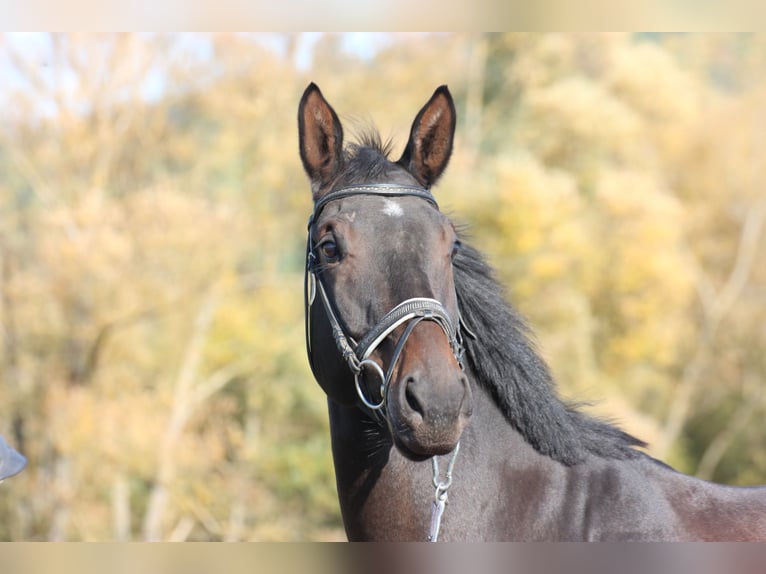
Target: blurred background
x: 152, y: 229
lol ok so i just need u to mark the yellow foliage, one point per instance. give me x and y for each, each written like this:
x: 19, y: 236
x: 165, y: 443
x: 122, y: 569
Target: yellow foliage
x: 575, y: 124
x: 648, y: 278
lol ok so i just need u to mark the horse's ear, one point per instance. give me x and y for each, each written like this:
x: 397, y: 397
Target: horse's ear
x: 321, y: 139
x: 430, y: 144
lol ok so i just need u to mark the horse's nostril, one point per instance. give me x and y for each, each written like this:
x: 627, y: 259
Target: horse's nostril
x: 412, y: 399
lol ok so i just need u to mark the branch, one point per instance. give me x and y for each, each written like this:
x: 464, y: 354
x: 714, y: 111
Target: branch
x: 188, y: 397
x: 750, y: 399
x: 39, y: 186
x: 215, y: 382
x: 182, y: 529
x: 477, y: 65
x: 180, y: 412
x: 748, y: 249
x: 121, y: 508
x: 715, y: 311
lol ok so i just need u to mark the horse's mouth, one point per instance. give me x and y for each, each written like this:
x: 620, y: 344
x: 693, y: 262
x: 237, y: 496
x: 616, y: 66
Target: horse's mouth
x: 421, y: 443
x: 410, y: 454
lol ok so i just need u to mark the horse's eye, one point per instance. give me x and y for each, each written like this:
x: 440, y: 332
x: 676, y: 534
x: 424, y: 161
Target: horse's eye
x: 329, y: 250
x: 455, y: 248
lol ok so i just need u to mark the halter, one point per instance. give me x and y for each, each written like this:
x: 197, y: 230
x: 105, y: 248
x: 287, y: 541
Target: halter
x: 410, y: 312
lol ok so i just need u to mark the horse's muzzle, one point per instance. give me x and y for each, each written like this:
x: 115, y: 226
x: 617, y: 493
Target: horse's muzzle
x: 430, y: 403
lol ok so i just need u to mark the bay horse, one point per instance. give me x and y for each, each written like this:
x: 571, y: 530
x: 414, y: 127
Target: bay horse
x: 445, y: 422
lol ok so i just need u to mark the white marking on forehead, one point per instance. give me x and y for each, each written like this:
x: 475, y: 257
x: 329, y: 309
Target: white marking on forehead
x: 392, y: 209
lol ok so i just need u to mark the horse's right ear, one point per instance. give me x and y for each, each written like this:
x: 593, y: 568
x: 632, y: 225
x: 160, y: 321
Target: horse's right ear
x: 321, y: 139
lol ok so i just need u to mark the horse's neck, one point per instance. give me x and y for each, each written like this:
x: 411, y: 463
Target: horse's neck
x: 489, y: 437
x: 383, y: 492
x: 505, y: 490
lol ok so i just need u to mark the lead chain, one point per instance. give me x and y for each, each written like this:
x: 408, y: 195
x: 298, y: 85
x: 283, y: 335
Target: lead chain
x: 440, y: 496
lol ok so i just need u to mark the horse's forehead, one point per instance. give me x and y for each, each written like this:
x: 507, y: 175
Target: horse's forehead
x: 381, y: 214
x: 392, y: 208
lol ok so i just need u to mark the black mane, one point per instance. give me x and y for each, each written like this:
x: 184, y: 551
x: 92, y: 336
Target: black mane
x: 506, y: 363
x: 367, y: 160
x: 370, y: 138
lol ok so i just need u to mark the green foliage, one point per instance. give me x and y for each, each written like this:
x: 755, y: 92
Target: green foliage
x: 151, y: 254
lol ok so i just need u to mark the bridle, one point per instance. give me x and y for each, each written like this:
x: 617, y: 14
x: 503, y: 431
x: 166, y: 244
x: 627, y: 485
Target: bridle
x: 410, y: 313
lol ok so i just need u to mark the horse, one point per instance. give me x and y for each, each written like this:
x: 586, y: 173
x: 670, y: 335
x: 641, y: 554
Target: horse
x: 445, y: 422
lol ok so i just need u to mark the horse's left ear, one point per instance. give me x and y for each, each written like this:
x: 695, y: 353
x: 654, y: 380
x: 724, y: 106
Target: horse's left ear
x: 430, y: 144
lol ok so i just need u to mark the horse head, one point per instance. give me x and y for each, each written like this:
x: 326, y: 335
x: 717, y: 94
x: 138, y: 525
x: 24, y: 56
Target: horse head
x: 383, y: 325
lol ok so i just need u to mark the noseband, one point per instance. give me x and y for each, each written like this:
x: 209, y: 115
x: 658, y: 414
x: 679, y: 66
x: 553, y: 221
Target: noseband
x: 410, y: 312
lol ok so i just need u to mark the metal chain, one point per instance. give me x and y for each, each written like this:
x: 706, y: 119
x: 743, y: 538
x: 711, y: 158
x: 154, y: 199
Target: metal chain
x: 440, y: 496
